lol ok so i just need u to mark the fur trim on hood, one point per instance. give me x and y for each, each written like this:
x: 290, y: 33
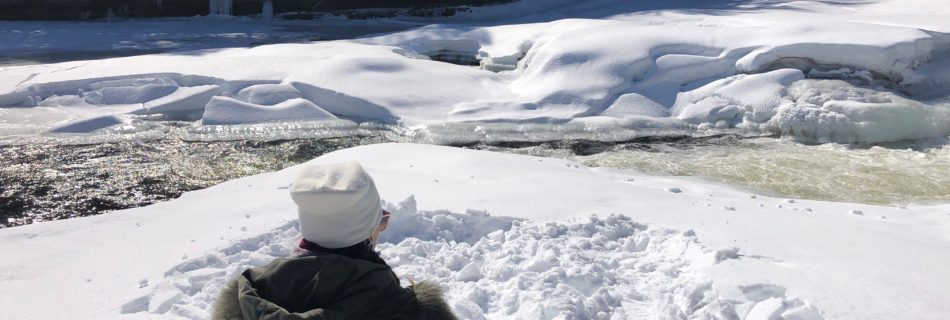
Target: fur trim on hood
x: 327, y: 287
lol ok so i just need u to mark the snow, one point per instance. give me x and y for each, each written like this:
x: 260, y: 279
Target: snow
x: 744, y: 71
x: 526, y: 227
x: 226, y: 111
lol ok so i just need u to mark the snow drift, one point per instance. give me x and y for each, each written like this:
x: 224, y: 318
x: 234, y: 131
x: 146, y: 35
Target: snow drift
x: 700, y: 72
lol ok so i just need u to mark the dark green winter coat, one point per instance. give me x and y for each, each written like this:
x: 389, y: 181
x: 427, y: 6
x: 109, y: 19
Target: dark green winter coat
x: 327, y: 287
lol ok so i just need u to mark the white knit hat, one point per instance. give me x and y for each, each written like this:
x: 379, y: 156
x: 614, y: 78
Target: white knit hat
x: 338, y: 204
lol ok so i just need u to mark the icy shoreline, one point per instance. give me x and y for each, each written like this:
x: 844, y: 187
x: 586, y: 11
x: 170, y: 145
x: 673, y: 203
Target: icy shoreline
x: 815, y: 81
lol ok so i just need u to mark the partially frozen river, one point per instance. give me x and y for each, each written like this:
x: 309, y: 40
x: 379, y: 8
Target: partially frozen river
x: 885, y: 174
x: 43, y: 182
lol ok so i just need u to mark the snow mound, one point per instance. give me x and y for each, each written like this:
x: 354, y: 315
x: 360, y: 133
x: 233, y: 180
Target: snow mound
x: 838, y: 111
x: 754, y: 97
x: 634, y: 104
x: 507, y: 268
x: 228, y: 111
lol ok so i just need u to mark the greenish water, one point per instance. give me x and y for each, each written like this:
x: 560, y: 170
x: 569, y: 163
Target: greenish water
x: 881, y: 174
x: 50, y: 182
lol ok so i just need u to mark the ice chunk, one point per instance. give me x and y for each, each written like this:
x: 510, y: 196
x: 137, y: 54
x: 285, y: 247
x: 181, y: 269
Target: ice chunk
x: 183, y: 99
x: 128, y: 94
x: 228, y: 111
x: 189, y: 312
x: 163, y: 298
x: 114, y: 95
x: 88, y: 125
x: 200, y: 276
x: 268, y: 94
x: 113, y: 83
x: 471, y: 272
x: 770, y: 309
x: 151, y: 92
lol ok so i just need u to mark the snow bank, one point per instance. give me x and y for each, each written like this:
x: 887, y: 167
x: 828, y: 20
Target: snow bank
x: 545, y: 257
x: 702, y: 73
x: 836, y: 111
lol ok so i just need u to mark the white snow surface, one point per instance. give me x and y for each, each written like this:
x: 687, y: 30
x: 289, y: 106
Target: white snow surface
x: 723, y: 66
x: 507, y: 237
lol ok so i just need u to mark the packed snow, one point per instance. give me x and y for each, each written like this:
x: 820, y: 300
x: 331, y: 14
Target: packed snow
x: 809, y: 71
x: 507, y: 236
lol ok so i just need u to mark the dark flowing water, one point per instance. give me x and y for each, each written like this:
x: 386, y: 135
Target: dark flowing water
x: 47, y: 182
x: 50, y: 182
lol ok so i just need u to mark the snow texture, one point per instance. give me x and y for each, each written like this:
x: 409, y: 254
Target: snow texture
x: 591, y: 268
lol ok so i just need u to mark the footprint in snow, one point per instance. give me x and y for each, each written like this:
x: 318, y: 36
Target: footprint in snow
x: 673, y: 190
x: 729, y: 208
x: 856, y: 212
